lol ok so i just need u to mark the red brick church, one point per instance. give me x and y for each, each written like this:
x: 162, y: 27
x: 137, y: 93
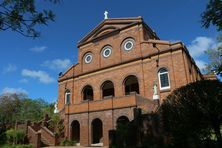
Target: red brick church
x: 122, y: 65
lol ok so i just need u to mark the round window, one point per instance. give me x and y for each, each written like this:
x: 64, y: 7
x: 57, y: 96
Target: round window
x: 88, y: 58
x: 128, y: 44
x: 107, y: 52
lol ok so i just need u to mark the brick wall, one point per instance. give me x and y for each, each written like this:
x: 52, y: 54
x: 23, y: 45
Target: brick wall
x: 144, y: 61
x: 145, y: 70
x: 48, y: 137
x: 34, y: 137
x: 108, y: 118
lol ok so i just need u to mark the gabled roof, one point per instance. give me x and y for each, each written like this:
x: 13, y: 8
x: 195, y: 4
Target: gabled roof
x: 109, y: 26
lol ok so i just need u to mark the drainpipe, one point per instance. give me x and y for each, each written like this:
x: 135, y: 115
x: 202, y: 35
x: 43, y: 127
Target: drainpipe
x: 112, y: 113
x: 68, y: 122
x: 157, y: 61
x: 156, y: 97
x: 88, y: 125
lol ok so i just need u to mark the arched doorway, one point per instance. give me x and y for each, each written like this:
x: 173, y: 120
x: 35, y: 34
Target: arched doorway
x: 131, y: 85
x: 122, y: 130
x: 122, y: 121
x: 75, y: 134
x: 107, y: 89
x: 97, y: 131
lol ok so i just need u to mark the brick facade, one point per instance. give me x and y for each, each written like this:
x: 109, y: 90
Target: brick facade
x: 148, y: 55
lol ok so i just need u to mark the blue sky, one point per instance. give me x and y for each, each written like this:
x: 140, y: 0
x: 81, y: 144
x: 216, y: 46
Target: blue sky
x: 32, y: 66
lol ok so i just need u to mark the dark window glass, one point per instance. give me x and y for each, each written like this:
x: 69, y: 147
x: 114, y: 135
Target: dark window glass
x: 131, y: 85
x: 108, y: 89
x: 87, y: 93
x: 128, y: 45
x: 107, y: 52
x: 164, y: 80
x: 68, y: 98
x: 88, y: 58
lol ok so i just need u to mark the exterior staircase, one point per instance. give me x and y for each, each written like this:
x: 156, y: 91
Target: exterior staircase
x: 41, y: 136
x: 44, y: 142
x: 48, y: 138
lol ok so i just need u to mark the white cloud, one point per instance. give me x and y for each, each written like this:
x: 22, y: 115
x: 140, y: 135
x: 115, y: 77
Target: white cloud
x: 8, y: 90
x: 201, y: 64
x: 199, y: 45
x: 38, y: 49
x: 57, y: 64
x: 42, y: 76
x: 10, y: 68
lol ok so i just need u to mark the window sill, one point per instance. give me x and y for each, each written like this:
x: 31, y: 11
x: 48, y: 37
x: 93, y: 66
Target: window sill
x: 131, y: 93
x: 84, y: 101
x: 165, y: 90
x: 108, y: 97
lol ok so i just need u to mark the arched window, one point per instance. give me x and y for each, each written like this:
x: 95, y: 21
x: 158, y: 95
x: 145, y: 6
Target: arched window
x: 131, y: 85
x: 164, y: 79
x: 107, y: 89
x: 67, y: 97
x: 87, y: 93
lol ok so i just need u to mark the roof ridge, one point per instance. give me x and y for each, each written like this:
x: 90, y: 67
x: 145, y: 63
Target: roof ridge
x: 139, y: 18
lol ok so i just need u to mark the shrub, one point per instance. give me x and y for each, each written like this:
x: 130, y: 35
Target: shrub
x: 10, y: 134
x: 17, y: 146
x: 24, y: 146
x: 68, y: 143
x: 15, y: 135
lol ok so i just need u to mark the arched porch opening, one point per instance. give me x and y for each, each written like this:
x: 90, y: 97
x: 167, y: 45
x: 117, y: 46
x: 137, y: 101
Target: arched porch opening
x: 75, y: 131
x: 97, y: 131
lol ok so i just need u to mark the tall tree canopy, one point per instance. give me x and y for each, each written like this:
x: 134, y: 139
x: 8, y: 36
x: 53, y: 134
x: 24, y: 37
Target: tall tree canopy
x: 215, y: 58
x: 9, y: 107
x: 213, y: 14
x: 192, y: 114
x: 23, y: 16
x: 17, y: 107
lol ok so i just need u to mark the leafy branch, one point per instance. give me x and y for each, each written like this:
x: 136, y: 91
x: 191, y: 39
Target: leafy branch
x: 22, y: 16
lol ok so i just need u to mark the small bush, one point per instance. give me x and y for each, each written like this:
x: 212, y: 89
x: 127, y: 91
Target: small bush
x: 68, y: 143
x: 10, y: 134
x: 15, y: 136
x: 24, y: 146
x: 17, y: 146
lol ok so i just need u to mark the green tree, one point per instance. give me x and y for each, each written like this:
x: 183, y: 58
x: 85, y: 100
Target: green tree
x: 9, y: 107
x: 17, y: 107
x: 215, y: 58
x: 48, y: 109
x: 213, y: 14
x: 23, y: 16
x: 192, y: 114
x: 56, y: 124
x: 31, y: 109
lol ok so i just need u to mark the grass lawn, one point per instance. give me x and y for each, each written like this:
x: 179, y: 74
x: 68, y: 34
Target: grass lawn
x: 17, y: 146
